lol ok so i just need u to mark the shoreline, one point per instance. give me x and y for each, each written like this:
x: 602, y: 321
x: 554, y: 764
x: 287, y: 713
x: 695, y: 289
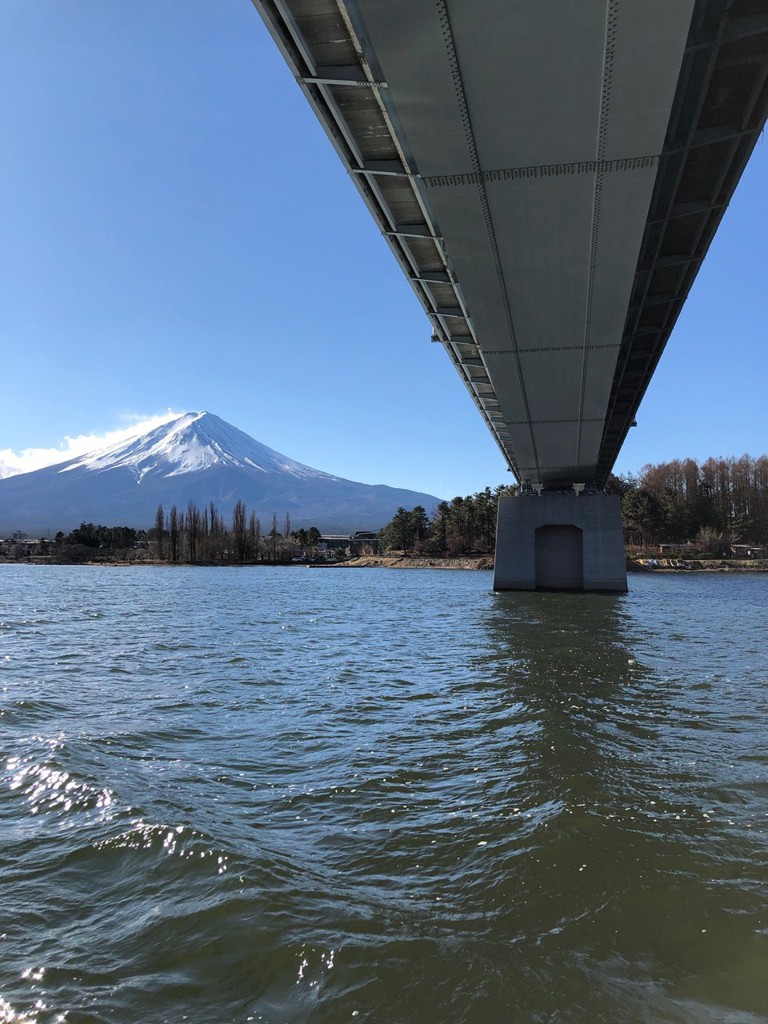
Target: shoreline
x: 465, y: 563
x: 485, y: 562
x: 720, y: 565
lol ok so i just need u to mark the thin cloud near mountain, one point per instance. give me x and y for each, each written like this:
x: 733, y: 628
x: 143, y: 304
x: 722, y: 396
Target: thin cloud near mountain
x: 13, y: 463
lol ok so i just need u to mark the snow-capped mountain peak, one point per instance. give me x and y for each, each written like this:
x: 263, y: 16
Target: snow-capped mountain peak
x: 190, y: 443
x: 193, y: 459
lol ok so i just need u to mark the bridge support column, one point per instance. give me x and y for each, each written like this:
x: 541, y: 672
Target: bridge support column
x: 560, y: 541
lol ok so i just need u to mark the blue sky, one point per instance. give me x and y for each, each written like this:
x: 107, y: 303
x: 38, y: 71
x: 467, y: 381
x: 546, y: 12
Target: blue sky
x: 177, y: 233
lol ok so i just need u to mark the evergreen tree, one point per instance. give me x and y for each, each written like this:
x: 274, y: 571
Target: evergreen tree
x: 239, y: 536
x: 159, y: 530
x: 173, y: 535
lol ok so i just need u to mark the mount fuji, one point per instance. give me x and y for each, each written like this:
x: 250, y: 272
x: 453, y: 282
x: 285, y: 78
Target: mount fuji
x: 195, y: 457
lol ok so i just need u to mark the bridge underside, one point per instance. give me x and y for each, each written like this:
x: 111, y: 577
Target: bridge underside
x: 549, y: 174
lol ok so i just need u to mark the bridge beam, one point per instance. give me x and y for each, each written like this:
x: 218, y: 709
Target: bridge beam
x: 560, y: 541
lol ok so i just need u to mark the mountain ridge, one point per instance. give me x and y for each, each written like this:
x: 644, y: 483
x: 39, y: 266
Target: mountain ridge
x: 195, y: 457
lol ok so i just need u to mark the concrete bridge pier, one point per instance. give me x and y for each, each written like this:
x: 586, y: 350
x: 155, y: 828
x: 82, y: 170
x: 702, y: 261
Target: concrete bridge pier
x: 560, y: 540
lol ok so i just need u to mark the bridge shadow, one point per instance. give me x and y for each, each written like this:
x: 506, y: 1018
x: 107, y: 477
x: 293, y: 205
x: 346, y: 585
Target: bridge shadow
x: 601, y: 874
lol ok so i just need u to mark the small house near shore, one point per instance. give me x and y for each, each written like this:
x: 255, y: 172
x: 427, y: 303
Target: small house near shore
x: 362, y: 542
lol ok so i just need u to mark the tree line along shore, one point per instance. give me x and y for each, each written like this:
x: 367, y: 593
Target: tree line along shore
x: 678, y: 511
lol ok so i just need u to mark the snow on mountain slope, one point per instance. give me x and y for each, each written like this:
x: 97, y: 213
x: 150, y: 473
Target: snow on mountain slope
x: 192, y: 442
x: 196, y: 458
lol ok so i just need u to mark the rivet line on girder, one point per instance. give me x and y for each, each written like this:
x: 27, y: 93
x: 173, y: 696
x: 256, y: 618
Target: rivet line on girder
x: 458, y: 85
x: 547, y: 350
x: 609, y: 57
x: 574, y: 167
x: 402, y: 253
x: 699, y: 137
x: 551, y: 469
x: 521, y: 423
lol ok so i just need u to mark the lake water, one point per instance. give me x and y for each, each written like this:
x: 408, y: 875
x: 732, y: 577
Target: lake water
x: 290, y: 795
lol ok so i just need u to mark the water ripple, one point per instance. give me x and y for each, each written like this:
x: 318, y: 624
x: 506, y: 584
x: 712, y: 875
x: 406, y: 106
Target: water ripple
x: 312, y: 797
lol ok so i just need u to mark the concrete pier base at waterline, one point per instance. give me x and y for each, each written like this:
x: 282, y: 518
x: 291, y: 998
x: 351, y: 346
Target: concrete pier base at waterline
x: 560, y: 541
